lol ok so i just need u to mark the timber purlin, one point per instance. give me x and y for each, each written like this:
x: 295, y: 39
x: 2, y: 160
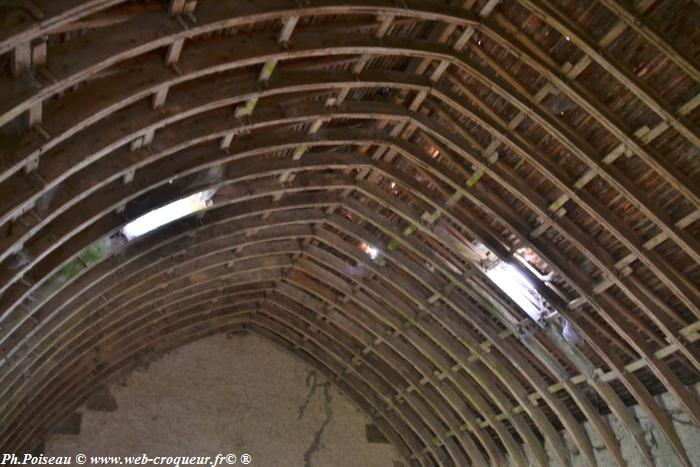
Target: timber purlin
x: 560, y: 136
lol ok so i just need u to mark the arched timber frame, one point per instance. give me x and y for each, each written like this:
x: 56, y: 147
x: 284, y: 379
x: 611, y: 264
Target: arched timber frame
x: 560, y: 136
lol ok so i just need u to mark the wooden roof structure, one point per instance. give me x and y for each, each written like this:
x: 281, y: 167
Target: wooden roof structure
x: 557, y: 137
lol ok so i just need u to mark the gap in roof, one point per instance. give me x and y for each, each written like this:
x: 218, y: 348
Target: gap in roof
x: 514, y: 284
x: 168, y: 213
x: 511, y: 281
x: 371, y: 251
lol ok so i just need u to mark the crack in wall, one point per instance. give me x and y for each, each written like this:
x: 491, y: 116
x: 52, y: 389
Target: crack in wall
x: 312, y: 384
x: 683, y: 422
x: 680, y: 417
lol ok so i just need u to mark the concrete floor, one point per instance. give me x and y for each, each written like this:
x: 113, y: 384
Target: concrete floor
x: 236, y: 394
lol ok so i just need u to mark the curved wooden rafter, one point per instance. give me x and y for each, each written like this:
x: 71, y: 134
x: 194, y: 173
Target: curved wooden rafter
x: 565, y: 228
x: 278, y: 119
x: 448, y: 369
x: 656, y: 38
x: 46, y: 175
x: 675, y: 281
x: 568, y: 28
x: 500, y: 36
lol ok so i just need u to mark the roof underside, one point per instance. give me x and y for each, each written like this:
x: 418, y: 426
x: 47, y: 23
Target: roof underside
x: 557, y: 137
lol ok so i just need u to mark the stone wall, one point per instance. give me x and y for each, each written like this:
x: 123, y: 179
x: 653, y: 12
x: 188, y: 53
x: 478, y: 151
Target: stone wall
x: 661, y: 451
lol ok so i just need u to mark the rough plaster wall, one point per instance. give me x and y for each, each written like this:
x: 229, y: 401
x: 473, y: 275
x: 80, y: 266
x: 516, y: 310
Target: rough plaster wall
x: 230, y: 394
x: 243, y: 394
x: 660, y: 449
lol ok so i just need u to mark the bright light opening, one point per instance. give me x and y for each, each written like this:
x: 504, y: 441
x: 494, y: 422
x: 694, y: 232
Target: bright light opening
x: 371, y: 251
x: 166, y: 214
x: 518, y: 288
